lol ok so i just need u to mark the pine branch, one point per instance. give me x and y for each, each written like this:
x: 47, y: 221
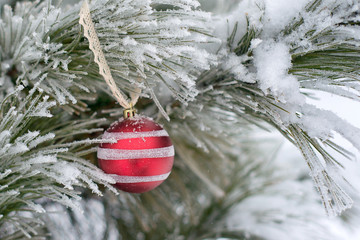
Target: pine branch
x: 42, y: 46
x: 37, y: 164
x: 144, y: 47
x: 256, y: 82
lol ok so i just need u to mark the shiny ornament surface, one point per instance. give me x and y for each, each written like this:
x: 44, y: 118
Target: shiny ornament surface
x: 142, y: 157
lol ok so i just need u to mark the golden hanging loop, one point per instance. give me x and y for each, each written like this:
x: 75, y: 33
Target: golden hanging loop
x: 129, y: 112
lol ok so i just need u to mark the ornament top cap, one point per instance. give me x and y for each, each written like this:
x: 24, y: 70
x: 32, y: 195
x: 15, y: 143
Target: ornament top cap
x: 129, y: 112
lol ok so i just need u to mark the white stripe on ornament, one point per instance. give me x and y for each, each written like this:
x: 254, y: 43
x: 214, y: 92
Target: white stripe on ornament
x: 139, y: 179
x: 128, y: 135
x: 121, y: 154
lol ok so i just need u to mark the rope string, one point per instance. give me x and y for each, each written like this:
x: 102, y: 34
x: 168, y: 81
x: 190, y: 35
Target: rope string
x: 104, y: 69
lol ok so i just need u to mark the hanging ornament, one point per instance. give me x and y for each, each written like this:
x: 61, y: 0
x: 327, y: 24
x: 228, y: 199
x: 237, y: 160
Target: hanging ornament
x: 142, y: 156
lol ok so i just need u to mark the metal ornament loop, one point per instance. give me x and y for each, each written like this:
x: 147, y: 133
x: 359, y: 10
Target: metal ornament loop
x: 129, y: 112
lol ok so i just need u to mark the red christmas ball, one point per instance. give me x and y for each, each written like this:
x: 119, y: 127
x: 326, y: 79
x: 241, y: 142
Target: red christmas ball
x: 142, y: 157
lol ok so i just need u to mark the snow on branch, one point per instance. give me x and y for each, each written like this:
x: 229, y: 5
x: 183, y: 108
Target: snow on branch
x: 33, y: 167
x: 151, y: 41
x: 276, y: 50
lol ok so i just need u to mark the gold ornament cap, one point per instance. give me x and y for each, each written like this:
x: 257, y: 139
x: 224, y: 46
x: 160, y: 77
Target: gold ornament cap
x: 129, y: 112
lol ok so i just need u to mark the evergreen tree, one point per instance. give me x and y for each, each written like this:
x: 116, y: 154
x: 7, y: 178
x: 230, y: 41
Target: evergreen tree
x: 214, y: 76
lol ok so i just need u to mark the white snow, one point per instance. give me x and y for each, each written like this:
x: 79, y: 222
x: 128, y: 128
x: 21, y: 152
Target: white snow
x: 235, y: 64
x: 41, y: 139
x: 272, y: 61
x: 272, y: 52
x: 279, y: 13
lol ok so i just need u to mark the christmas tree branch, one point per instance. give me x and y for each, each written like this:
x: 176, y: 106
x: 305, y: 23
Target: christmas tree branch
x: 38, y: 161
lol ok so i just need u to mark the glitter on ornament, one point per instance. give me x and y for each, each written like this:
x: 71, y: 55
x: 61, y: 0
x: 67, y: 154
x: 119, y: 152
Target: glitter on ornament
x: 142, y: 157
